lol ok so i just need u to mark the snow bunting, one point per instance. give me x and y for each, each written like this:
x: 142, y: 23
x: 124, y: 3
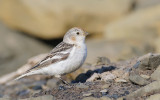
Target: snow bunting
x: 65, y: 58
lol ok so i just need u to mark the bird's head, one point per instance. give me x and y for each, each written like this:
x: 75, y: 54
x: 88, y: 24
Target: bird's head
x: 75, y: 36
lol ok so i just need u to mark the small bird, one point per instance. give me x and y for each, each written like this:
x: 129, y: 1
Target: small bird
x: 66, y: 57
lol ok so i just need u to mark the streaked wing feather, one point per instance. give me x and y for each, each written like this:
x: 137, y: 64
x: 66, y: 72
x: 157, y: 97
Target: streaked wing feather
x: 49, y: 59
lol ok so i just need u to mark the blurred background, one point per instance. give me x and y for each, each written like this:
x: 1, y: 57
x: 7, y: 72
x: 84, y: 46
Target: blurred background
x: 119, y: 29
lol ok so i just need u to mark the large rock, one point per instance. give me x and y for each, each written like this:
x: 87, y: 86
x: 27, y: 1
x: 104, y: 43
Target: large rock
x: 150, y: 88
x: 155, y: 75
x: 16, y: 49
x: 139, y: 4
x: 137, y: 79
x: 140, y: 26
x: 148, y: 61
x: 154, y: 97
x: 50, y: 19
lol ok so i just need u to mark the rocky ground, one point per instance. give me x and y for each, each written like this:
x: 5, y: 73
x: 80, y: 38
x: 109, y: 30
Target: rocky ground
x: 118, y: 30
x: 134, y: 79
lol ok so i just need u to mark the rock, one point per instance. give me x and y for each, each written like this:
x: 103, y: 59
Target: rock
x: 103, y: 61
x: 106, y: 86
x: 23, y: 93
x: 155, y: 75
x: 44, y: 97
x: 93, y: 98
x: 144, y: 21
x: 50, y: 19
x: 143, y: 62
x: 150, y: 88
x: 94, y: 77
x: 120, y: 98
x: 145, y: 76
x: 141, y: 4
x: 82, y: 86
x: 104, y: 91
x: 122, y: 29
x: 120, y: 80
x: 104, y: 98
x: 87, y: 94
x: 137, y: 79
x: 154, y: 61
x: 5, y: 99
x: 16, y: 49
x: 154, y: 97
x: 37, y: 85
x: 107, y: 76
x: 121, y: 74
x: 53, y: 83
x: 148, y: 61
x: 90, y: 98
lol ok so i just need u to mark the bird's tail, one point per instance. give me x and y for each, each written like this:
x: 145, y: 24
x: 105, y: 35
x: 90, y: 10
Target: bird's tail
x: 24, y: 75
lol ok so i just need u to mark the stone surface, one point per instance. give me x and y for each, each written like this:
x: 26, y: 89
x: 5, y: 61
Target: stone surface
x: 103, y: 61
x: 120, y: 80
x: 92, y: 98
x: 81, y: 85
x: 87, y: 94
x: 106, y: 86
x: 16, y: 49
x: 138, y: 79
x: 154, y: 97
x: 53, y: 83
x: 156, y: 74
x: 148, y: 61
x: 50, y: 19
x: 104, y: 91
x: 44, y: 97
x: 141, y: 4
x: 135, y: 26
x: 145, y: 76
x: 5, y: 99
x: 150, y: 88
x: 94, y: 77
x: 107, y: 76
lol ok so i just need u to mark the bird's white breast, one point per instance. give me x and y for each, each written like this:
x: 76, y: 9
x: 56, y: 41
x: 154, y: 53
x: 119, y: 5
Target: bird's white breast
x: 76, y: 58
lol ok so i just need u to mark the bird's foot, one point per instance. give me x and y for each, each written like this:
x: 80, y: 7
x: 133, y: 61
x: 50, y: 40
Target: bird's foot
x: 64, y: 82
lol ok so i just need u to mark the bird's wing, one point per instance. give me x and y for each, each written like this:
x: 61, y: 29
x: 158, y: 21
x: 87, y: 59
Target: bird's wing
x: 59, y: 53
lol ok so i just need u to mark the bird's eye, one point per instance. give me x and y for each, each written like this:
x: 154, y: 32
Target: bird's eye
x: 77, y: 33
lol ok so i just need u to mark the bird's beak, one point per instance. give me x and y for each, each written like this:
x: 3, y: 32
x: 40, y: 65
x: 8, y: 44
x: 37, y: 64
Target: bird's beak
x: 85, y: 33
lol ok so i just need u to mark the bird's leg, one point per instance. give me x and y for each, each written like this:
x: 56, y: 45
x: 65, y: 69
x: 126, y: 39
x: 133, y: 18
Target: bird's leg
x: 64, y: 82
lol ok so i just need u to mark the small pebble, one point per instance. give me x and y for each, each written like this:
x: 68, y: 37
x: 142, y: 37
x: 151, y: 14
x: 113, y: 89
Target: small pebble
x: 106, y: 86
x: 120, y: 80
x: 104, y: 92
x: 87, y: 94
x: 145, y: 76
x: 82, y: 86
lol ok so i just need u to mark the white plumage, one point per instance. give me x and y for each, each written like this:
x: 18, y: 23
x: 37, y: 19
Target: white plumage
x: 65, y: 58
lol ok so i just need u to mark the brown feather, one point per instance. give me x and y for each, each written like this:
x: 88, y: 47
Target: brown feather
x: 56, y: 51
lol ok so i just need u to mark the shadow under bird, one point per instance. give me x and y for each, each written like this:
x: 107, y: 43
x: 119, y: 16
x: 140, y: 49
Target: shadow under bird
x: 66, y: 57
